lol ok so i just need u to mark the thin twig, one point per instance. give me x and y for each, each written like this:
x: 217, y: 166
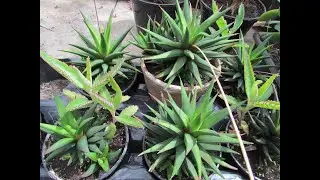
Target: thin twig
x: 243, y: 150
x: 95, y: 8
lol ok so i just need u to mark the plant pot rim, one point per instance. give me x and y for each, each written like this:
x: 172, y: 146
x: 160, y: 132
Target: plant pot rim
x: 158, y: 4
x: 175, y: 88
x: 269, y: 60
x: 53, y: 175
x: 238, y: 164
x: 123, y: 91
x: 233, y: 17
x: 148, y: 162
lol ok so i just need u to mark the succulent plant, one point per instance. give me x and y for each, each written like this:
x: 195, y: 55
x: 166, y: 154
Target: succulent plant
x: 103, y: 52
x: 96, y: 89
x: 181, y: 141
x: 232, y: 72
x: 80, y: 137
x: 264, y: 131
x: 256, y: 96
x: 172, y: 43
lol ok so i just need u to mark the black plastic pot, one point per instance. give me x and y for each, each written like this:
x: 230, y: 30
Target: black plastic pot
x: 268, y: 61
x: 104, y: 175
x: 47, y: 73
x: 236, y: 162
x: 247, y: 22
x: 271, y: 4
x: 143, y: 8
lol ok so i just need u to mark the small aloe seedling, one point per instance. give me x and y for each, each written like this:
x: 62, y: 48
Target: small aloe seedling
x: 96, y: 89
x: 181, y: 141
x: 264, y: 130
x: 80, y: 137
x: 103, y: 52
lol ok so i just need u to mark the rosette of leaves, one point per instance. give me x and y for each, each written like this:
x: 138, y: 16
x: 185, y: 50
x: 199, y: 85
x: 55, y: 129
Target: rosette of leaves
x: 257, y: 96
x: 96, y: 89
x: 233, y: 68
x: 171, y: 44
x: 264, y: 131
x: 181, y: 140
x: 80, y: 137
x: 103, y: 52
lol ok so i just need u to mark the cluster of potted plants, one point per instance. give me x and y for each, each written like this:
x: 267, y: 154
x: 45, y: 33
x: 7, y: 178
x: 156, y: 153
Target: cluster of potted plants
x: 188, y: 62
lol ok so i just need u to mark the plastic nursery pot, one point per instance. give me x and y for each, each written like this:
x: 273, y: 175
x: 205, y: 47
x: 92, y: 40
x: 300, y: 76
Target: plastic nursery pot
x: 54, y: 176
x: 247, y: 22
x: 143, y: 8
x: 234, y: 159
x: 268, y: 61
x: 148, y: 162
x: 47, y: 73
x: 156, y: 87
x: 271, y: 4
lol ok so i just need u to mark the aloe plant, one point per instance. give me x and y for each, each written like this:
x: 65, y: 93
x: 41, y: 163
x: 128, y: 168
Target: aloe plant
x: 171, y: 45
x: 96, y: 89
x: 264, y: 130
x: 103, y: 52
x: 81, y: 138
x: 233, y: 68
x: 256, y: 96
x: 180, y: 141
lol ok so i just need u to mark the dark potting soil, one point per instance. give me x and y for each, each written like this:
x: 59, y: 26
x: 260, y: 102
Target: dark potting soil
x: 156, y: 69
x: 59, y: 166
x: 260, y: 170
x: 275, y: 54
x: 50, y: 89
x: 252, y: 10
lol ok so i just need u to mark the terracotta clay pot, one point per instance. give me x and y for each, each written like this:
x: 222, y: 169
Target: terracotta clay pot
x: 156, y: 86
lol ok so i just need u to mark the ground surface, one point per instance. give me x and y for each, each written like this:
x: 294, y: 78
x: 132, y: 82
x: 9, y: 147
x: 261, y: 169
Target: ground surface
x: 59, y: 16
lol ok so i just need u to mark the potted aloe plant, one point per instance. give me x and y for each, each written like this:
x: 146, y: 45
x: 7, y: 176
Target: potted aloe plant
x: 250, y: 11
x: 99, y: 95
x: 143, y: 9
x: 82, y: 146
x: 179, y: 142
x: 259, y: 121
x: 171, y: 50
x: 104, y: 53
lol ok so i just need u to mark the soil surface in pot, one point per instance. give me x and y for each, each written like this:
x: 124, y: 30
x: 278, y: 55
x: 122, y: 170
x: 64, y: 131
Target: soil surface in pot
x: 260, y: 170
x: 50, y: 89
x: 275, y: 54
x: 156, y: 69
x: 59, y: 166
x: 252, y: 10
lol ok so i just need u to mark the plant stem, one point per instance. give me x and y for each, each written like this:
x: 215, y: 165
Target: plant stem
x: 113, y: 117
x: 244, y: 153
